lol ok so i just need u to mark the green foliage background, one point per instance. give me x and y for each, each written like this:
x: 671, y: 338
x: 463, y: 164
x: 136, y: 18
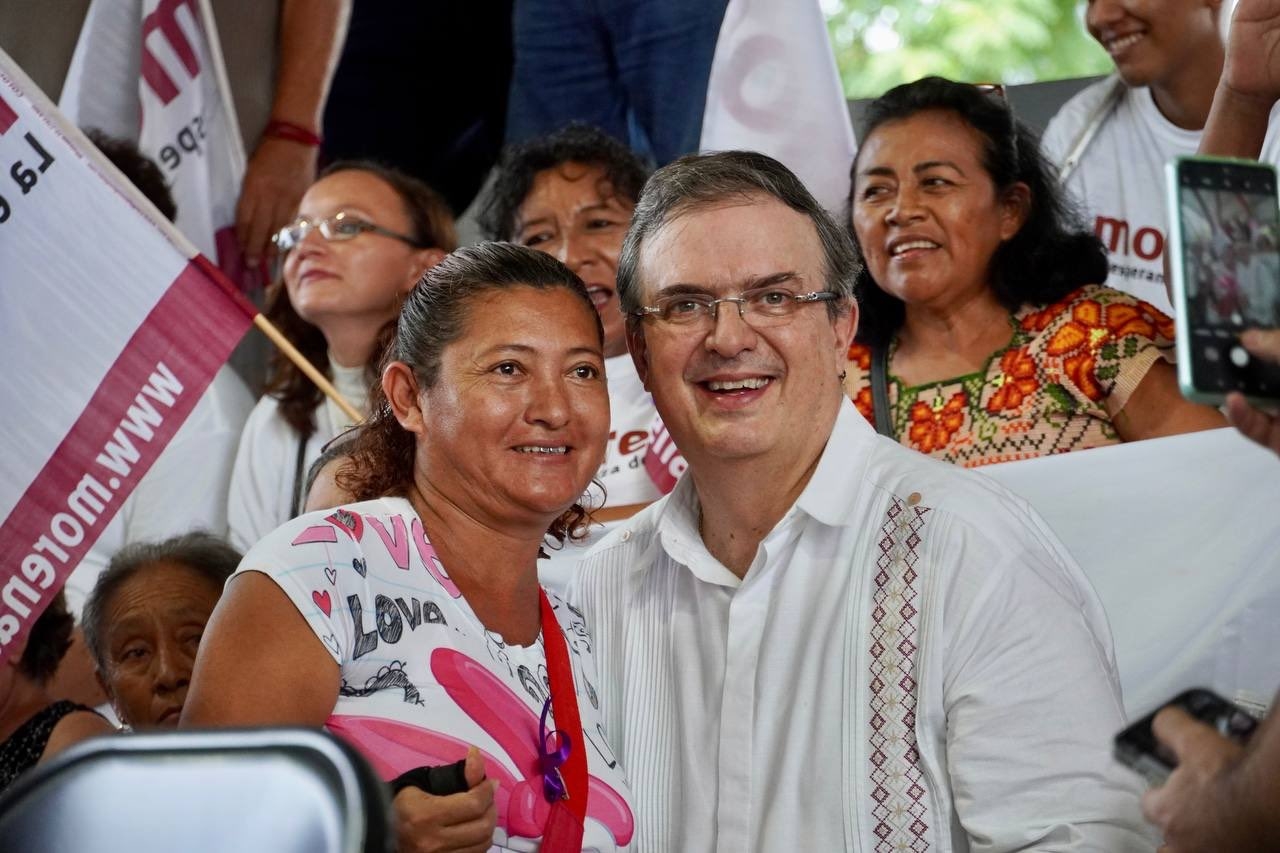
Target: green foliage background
x: 979, y: 41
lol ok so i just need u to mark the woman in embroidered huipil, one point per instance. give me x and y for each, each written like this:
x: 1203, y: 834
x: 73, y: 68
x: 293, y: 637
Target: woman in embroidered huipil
x: 411, y: 622
x: 983, y: 295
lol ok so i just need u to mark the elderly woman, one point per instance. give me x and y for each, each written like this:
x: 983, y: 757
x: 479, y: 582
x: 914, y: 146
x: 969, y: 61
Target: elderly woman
x: 984, y: 323
x: 144, y: 619
x: 33, y: 726
x: 571, y: 194
x: 363, y: 236
x: 411, y: 622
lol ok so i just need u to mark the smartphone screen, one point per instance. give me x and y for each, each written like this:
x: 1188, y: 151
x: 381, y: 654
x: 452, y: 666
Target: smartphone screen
x: 1226, y: 275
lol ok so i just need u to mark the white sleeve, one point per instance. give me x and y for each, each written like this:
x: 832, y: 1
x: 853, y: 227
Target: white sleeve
x: 187, y: 487
x: 259, y: 498
x: 1032, y: 699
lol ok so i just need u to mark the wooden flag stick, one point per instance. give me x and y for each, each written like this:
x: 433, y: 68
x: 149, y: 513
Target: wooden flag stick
x: 291, y: 352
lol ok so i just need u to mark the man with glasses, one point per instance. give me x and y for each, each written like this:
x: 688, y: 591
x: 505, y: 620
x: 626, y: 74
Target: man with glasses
x: 821, y: 640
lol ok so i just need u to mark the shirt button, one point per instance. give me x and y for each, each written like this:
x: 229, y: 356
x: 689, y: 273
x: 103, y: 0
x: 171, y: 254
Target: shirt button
x: 626, y: 535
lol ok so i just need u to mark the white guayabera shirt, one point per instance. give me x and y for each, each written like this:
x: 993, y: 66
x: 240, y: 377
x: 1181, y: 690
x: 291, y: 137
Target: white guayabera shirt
x: 912, y: 661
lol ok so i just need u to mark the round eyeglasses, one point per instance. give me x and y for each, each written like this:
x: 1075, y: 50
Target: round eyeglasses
x: 763, y: 306
x: 340, y: 226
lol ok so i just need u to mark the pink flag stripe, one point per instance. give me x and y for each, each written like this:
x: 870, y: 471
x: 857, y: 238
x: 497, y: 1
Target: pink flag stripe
x: 7, y: 116
x: 144, y: 398
x: 164, y: 19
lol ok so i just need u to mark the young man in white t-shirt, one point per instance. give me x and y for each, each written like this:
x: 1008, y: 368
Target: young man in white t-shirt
x: 1168, y: 56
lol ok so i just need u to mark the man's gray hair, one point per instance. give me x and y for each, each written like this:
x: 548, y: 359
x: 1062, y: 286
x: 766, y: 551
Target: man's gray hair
x: 699, y: 181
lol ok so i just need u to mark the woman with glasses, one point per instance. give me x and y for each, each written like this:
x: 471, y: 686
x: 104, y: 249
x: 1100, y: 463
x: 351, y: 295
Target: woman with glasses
x: 986, y: 334
x: 363, y: 236
x: 411, y: 621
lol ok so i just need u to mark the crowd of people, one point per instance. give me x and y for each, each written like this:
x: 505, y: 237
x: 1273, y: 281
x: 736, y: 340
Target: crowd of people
x: 815, y: 638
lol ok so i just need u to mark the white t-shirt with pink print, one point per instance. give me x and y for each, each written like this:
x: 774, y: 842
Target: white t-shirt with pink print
x: 421, y: 677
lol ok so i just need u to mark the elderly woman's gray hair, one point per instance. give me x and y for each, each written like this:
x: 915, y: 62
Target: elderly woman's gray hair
x: 203, y: 553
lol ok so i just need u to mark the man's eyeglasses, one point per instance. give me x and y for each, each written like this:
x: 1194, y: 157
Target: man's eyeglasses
x: 763, y: 306
x: 340, y: 226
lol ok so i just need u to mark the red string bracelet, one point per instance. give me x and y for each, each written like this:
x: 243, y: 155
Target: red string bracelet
x: 277, y: 129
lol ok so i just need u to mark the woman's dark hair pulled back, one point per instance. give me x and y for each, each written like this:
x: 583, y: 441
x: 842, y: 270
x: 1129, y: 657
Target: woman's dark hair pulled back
x: 1050, y: 256
x: 435, y: 315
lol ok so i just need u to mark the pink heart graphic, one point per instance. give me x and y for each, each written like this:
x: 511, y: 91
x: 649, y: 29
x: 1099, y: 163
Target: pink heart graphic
x: 323, y: 601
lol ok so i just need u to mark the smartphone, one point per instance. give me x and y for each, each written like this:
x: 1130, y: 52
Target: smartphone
x: 1138, y: 748
x: 1224, y: 259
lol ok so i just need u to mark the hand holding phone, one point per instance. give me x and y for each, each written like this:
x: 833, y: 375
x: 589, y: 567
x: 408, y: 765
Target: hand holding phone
x: 1138, y: 747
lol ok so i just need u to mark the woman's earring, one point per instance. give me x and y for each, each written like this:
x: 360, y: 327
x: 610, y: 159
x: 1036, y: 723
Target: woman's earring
x: 843, y: 374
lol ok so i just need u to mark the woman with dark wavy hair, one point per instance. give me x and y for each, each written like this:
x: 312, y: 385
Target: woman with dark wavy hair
x: 411, y: 622
x: 364, y: 235
x: 986, y: 334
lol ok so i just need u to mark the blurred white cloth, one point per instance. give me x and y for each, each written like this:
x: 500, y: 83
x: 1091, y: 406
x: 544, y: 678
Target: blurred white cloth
x: 1181, y: 538
x: 775, y: 88
x: 186, y: 488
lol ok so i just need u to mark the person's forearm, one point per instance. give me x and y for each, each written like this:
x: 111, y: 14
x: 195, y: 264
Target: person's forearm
x: 1256, y: 780
x: 311, y: 37
x: 1237, y: 125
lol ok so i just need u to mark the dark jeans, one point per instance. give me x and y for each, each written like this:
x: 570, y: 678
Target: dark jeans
x: 637, y: 69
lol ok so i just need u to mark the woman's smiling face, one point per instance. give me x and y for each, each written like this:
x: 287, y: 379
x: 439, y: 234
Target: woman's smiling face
x: 573, y: 214
x: 926, y: 212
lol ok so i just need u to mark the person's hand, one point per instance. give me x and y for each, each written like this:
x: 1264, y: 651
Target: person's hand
x: 458, y: 822
x: 1189, y: 808
x: 1252, y: 67
x: 1255, y: 424
x: 278, y: 173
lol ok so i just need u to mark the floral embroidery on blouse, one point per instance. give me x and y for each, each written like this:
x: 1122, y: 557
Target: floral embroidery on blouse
x: 1068, y: 369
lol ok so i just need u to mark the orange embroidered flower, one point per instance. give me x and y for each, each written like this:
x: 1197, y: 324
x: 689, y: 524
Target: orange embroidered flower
x: 1038, y: 321
x: 1018, y: 375
x: 931, y: 430
x: 1163, y: 322
x: 1078, y: 341
x: 864, y: 404
x: 860, y: 354
x: 1128, y: 320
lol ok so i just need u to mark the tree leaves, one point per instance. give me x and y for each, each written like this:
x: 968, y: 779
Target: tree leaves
x: 980, y: 41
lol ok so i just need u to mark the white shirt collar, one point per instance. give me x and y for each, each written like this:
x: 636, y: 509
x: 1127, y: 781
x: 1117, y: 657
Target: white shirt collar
x: 827, y: 498
x: 837, y: 480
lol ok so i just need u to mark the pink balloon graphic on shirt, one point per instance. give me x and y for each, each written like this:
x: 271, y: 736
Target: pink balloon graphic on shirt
x: 510, y: 722
x: 393, y: 747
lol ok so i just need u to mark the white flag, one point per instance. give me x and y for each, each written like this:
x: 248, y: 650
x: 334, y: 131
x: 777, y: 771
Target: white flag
x: 774, y: 88
x: 151, y: 71
x: 113, y: 327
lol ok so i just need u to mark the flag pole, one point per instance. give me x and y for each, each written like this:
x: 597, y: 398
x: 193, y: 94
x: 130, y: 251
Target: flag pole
x: 264, y: 325
x: 277, y: 337
x: 300, y: 360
